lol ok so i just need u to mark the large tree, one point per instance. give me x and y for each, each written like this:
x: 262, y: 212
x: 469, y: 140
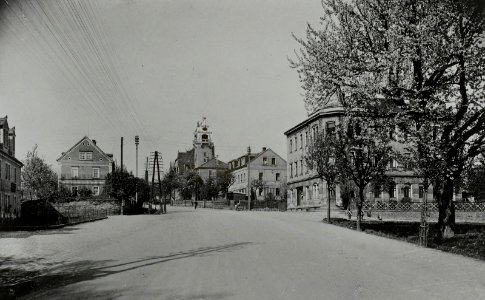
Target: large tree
x: 424, y: 59
x: 362, y: 151
x: 40, y: 181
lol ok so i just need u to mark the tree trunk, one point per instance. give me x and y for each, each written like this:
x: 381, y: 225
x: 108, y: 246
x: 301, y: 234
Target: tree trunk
x: 443, y: 191
x: 360, y: 201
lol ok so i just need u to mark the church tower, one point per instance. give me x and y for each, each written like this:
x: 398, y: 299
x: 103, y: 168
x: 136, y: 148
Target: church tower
x: 203, y: 145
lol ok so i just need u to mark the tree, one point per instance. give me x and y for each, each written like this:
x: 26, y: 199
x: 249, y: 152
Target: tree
x: 258, y: 184
x: 209, y: 189
x: 224, y: 180
x: 38, y: 177
x: 321, y: 158
x: 423, y: 58
x: 170, y: 183
x: 362, y: 152
x: 120, y: 184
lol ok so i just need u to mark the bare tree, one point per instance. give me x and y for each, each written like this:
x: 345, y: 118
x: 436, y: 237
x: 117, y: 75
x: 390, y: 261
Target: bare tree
x: 320, y: 157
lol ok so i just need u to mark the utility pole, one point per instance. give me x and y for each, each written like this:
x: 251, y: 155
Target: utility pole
x: 146, y: 171
x: 249, y: 177
x: 122, y: 200
x: 121, y: 153
x: 164, y: 208
x: 137, y: 141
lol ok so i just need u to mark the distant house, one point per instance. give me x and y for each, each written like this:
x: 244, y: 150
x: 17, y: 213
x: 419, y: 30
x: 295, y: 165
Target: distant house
x: 85, y: 166
x: 10, y: 168
x: 211, y: 168
x: 266, y: 167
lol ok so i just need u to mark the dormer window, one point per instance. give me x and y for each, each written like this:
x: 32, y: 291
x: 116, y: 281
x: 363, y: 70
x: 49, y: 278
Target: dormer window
x: 204, y: 129
x: 85, y: 155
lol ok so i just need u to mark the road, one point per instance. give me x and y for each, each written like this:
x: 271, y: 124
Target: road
x: 221, y: 254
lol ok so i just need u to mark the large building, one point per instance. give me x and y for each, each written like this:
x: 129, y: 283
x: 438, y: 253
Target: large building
x: 85, y: 166
x: 266, y: 167
x: 305, y: 189
x: 10, y: 168
x: 201, y: 158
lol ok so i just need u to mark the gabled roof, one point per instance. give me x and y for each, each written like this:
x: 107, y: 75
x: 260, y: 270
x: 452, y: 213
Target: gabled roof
x: 213, y: 164
x: 267, y: 150
x: 109, y: 158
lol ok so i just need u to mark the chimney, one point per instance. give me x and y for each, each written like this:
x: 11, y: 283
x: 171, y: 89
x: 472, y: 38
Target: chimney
x: 94, y: 142
x: 264, y: 148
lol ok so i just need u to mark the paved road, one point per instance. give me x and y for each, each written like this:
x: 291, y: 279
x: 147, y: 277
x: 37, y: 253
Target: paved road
x: 213, y: 254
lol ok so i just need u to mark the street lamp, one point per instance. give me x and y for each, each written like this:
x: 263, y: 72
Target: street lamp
x: 137, y: 142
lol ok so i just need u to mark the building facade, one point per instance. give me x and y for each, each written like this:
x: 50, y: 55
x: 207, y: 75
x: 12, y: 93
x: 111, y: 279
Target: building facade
x: 211, y: 168
x: 306, y: 189
x: 266, y: 167
x: 10, y: 173
x: 84, y: 166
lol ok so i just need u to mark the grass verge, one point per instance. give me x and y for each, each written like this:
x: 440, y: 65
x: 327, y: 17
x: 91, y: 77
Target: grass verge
x: 469, y: 239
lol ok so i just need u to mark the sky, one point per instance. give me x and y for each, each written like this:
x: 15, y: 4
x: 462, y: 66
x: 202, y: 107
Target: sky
x: 120, y: 68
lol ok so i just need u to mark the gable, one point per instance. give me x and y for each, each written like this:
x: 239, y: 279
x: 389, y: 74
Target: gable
x: 85, y: 145
x: 269, y: 154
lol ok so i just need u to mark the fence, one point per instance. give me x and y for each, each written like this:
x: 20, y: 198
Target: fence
x: 416, y: 206
x: 78, y: 214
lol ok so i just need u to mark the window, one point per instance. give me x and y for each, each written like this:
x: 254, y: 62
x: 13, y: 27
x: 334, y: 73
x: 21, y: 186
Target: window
x: 392, y: 190
x: 74, y: 190
x: 301, y: 167
x: 265, y: 161
x: 74, y: 172
x: 421, y: 191
x: 296, y: 143
x: 84, y: 155
x: 291, y: 145
x: 296, y: 169
x: 277, y: 192
x: 330, y: 127
x: 95, y: 172
x: 406, y: 191
x: 291, y: 170
x: 210, y: 173
x: 392, y: 164
x: 96, y: 190
x: 260, y: 176
x: 377, y: 191
x: 277, y: 176
x: 273, y: 161
x: 306, y: 138
x: 301, y: 141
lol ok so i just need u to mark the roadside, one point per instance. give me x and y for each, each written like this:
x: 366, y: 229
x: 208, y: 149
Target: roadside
x: 469, y: 239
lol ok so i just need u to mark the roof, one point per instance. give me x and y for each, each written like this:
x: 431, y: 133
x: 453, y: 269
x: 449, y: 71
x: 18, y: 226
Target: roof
x: 110, y: 158
x: 325, y: 112
x: 11, y: 157
x: 213, y: 164
x: 3, y: 120
x: 257, y: 155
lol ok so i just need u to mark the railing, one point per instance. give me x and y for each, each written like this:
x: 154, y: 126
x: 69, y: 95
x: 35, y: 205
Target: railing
x: 416, y: 206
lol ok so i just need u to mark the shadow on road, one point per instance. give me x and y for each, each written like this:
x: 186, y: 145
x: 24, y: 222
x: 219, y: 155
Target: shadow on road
x: 26, y: 234
x: 21, y: 276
